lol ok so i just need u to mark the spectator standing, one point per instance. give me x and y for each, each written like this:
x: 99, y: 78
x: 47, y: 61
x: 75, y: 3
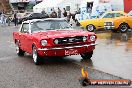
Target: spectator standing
x: 3, y: 19
x: 68, y: 16
x: 59, y: 13
x: 64, y: 13
x: 53, y: 14
x: 15, y: 19
x: 8, y: 21
x: 44, y: 14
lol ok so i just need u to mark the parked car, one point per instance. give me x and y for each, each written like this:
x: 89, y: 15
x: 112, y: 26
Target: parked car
x: 21, y: 16
x: 53, y: 37
x: 93, y: 24
x: 121, y: 24
x: 34, y: 16
x: 80, y: 17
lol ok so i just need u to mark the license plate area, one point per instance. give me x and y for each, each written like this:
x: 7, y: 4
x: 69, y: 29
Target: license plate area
x: 71, y: 52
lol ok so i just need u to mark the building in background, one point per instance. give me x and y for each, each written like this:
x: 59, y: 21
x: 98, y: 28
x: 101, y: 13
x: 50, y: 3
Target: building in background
x: 19, y: 4
x: 22, y: 5
x: 72, y: 5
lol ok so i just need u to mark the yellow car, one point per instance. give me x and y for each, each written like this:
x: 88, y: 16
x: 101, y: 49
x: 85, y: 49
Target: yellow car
x: 121, y: 24
x: 93, y: 24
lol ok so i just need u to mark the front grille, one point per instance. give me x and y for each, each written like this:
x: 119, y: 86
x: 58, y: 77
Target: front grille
x: 108, y: 23
x: 69, y: 40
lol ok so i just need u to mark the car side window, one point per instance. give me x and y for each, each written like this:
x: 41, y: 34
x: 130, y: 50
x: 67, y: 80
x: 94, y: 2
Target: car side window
x: 37, y: 15
x: 25, y: 28
x: 119, y: 14
x: 109, y: 15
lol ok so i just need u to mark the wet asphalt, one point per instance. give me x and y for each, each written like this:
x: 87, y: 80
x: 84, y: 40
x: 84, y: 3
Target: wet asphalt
x: 112, y: 59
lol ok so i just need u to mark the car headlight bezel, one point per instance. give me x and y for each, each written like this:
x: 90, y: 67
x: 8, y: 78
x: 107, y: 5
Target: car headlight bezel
x: 44, y: 42
x: 92, y: 38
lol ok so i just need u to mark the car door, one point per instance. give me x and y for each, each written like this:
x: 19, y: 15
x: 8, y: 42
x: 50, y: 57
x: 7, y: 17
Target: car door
x: 24, y: 36
x: 104, y: 18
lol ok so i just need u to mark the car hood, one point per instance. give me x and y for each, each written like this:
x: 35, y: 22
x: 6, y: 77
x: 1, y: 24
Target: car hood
x: 61, y: 33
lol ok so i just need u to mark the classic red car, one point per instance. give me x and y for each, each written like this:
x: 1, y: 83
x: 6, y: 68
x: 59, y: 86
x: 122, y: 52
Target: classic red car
x: 53, y: 37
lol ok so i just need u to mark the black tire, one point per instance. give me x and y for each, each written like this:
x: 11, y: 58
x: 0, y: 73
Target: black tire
x: 84, y: 82
x: 19, y: 51
x: 87, y: 55
x: 90, y: 28
x: 114, y: 30
x: 35, y: 56
x: 123, y: 28
x: 77, y: 23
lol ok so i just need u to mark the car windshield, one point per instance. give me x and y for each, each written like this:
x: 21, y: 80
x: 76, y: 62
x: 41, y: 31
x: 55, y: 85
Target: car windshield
x: 49, y: 25
x: 107, y: 15
x: 130, y: 13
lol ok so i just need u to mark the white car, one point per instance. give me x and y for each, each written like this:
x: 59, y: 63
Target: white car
x: 80, y: 17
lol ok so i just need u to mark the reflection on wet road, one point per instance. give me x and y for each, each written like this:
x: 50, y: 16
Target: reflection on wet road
x: 112, y: 55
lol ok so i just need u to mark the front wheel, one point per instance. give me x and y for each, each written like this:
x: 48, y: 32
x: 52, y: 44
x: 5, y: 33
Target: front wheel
x: 36, y: 57
x: 87, y: 55
x: 90, y: 28
x: 123, y: 28
x: 77, y: 23
x: 19, y: 51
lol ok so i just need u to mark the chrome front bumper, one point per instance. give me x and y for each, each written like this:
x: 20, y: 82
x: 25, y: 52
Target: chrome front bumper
x: 69, y: 47
x: 109, y: 27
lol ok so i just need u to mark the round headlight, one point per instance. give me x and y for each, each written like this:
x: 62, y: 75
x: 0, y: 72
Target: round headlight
x: 84, y: 38
x: 92, y: 38
x: 56, y: 41
x: 44, y: 42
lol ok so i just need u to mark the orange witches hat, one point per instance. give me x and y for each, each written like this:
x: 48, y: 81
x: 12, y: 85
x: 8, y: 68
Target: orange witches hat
x: 84, y: 73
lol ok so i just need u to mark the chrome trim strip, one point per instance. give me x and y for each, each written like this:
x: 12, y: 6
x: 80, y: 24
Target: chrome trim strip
x: 108, y: 26
x: 69, y: 47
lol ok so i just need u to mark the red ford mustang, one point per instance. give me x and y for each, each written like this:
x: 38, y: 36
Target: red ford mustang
x: 53, y: 37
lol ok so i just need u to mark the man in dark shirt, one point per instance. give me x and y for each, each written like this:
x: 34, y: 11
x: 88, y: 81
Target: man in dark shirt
x: 15, y: 19
x: 53, y: 14
x: 64, y: 13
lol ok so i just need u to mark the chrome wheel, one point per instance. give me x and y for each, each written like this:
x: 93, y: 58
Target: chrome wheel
x: 90, y: 28
x: 19, y: 51
x: 17, y: 48
x: 36, y: 57
x: 34, y: 54
x: 123, y: 28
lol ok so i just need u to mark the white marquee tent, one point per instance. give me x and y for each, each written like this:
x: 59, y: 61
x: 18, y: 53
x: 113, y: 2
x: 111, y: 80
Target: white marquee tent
x: 46, y: 5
